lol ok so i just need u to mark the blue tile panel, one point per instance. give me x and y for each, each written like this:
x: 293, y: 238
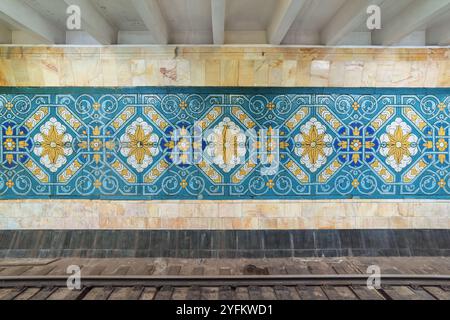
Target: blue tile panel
x: 224, y: 143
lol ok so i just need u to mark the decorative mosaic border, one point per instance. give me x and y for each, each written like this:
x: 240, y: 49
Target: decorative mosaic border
x: 224, y: 143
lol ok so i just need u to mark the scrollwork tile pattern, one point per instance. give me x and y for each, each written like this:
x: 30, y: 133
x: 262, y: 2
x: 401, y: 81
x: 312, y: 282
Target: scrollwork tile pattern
x: 224, y: 143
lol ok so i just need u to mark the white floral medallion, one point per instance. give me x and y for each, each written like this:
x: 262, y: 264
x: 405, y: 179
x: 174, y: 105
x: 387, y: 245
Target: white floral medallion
x: 313, y: 145
x: 398, y: 145
x: 53, y: 145
x: 226, y: 145
x: 139, y: 145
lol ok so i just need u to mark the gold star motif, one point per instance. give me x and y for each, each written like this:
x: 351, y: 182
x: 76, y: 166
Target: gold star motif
x: 53, y: 144
x: 314, y: 144
x: 140, y: 144
x: 399, y: 144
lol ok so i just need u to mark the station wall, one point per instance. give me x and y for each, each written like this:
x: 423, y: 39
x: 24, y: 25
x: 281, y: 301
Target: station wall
x: 229, y: 66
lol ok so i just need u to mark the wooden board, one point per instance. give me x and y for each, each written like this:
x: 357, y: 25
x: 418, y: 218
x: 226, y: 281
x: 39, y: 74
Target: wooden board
x: 148, y: 294
x: 126, y: 293
x: 180, y: 293
x: 97, y: 293
x: 298, y: 268
x: 209, y: 293
x: 9, y: 293
x: 198, y: 271
x: 339, y: 293
x: 62, y: 265
x: 242, y: 293
x: 165, y: 293
x: 320, y: 267
x: 194, y: 293
x: 121, y: 271
x: 144, y: 269
x: 268, y: 293
x: 93, y: 270
x: 406, y: 293
x: 27, y: 294
x: 438, y: 293
x: 344, y: 267
x: 364, y: 293
x: 66, y: 294
x: 255, y: 293
x: 39, y: 271
x: 43, y: 294
x: 276, y: 269
x: 311, y: 293
x: 173, y: 270
x: 15, y: 271
x: 286, y: 293
x: 225, y: 271
x: 226, y: 293
x: 25, y: 262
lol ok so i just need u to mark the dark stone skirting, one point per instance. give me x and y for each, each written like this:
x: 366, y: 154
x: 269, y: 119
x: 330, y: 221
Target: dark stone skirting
x: 223, y: 243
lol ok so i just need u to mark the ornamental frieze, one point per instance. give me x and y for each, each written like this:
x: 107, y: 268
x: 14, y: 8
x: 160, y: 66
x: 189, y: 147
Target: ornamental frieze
x: 211, y: 143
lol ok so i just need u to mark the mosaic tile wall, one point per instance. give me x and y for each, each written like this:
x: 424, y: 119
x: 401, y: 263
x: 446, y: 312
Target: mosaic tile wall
x: 227, y: 143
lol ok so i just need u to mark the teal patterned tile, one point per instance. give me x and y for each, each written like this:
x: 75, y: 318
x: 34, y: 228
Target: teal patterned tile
x: 224, y: 143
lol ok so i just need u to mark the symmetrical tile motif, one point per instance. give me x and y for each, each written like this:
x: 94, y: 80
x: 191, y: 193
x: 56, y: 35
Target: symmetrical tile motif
x: 210, y: 143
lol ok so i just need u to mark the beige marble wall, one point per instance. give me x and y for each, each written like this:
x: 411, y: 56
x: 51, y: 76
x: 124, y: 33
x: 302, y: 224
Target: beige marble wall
x: 269, y: 214
x: 223, y: 66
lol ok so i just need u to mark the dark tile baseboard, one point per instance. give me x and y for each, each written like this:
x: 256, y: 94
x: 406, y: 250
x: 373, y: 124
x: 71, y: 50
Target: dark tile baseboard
x: 223, y: 243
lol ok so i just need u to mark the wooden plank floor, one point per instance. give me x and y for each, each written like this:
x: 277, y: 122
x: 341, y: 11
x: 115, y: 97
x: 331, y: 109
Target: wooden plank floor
x: 174, y: 267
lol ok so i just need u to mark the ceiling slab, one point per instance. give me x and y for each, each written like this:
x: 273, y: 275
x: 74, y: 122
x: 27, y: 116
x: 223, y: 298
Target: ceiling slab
x: 195, y: 22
